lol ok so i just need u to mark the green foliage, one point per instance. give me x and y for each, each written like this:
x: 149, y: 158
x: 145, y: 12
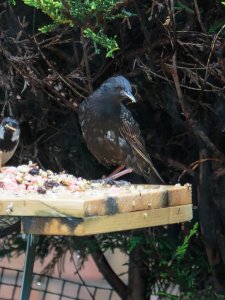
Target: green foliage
x: 167, y: 296
x: 216, y: 26
x: 182, y: 249
x: 12, y: 245
x: 134, y: 242
x: 54, y: 9
x: 47, y: 28
x: 90, y: 15
x: 85, y: 9
x: 102, y: 39
x: 185, y: 264
x: 12, y: 2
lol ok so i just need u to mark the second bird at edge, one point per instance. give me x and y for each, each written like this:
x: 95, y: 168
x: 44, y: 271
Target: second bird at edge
x: 9, y: 138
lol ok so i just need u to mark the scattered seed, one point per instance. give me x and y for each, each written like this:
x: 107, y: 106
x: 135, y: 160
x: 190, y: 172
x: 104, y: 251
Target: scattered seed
x: 41, y: 190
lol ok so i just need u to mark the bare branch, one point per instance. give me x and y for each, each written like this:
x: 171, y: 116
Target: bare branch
x: 106, y: 270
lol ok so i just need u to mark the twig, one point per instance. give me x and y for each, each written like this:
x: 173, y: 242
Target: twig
x: 195, y: 165
x: 143, y: 27
x: 60, y: 76
x: 218, y: 173
x: 86, y: 62
x: 199, y: 16
x: 80, y: 277
x: 178, y: 88
x: 209, y: 58
x: 106, y: 270
x: 209, y: 143
x: 148, y: 70
x: 198, y: 132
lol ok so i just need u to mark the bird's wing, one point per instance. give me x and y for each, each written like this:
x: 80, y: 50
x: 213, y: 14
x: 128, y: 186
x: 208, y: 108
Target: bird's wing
x: 130, y: 131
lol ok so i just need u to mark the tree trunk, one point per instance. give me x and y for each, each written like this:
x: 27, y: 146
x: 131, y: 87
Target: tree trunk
x: 138, y: 270
x: 209, y: 214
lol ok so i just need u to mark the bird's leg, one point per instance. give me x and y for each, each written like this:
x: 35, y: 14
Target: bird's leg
x: 117, y: 170
x: 119, y: 174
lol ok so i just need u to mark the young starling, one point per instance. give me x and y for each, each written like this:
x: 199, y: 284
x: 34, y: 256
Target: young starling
x: 110, y: 131
x: 9, y: 139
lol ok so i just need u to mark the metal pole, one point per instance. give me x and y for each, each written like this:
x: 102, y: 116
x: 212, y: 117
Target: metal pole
x: 28, y: 268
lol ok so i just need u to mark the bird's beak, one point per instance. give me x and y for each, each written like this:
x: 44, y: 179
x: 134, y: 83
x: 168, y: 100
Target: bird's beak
x: 128, y: 95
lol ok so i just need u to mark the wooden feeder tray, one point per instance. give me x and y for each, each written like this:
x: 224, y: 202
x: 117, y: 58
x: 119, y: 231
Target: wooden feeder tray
x: 100, y: 210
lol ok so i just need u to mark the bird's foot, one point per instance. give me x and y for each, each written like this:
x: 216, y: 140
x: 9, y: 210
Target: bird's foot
x: 120, y: 174
x: 111, y: 181
x: 116, y: 171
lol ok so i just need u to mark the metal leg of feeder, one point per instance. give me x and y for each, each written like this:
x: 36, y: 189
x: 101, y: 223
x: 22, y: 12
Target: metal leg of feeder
x: 28, y: 267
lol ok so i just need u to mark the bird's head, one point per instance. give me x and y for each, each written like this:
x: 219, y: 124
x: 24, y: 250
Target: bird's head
x: 119, y: 87
x: 10, y: 127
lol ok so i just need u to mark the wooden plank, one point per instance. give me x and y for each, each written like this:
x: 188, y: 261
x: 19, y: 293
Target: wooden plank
x: 139, y: 197
x: 96, y: 202
x: 104, y: 224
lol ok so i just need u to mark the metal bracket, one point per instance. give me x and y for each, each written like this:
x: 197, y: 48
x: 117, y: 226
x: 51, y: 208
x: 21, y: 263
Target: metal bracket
x: 28, y: 267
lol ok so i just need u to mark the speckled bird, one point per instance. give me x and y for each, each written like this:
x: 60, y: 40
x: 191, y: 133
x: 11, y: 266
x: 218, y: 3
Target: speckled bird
x: 9, y: 139
x: 110, y: 131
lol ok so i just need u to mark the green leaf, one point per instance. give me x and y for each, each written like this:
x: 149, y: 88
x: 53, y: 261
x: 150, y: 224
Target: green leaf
x: 182, y: 249
x: 47, y: 28
x: 134, y: 241
x: 100, y: 38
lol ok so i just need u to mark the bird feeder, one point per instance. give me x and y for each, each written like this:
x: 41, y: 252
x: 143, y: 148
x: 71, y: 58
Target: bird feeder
x: 99, y: 210
x: 96, y: 209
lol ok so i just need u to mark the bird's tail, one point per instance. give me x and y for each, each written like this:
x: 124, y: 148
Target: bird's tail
x: 149, y: 172
x: 152, y: 177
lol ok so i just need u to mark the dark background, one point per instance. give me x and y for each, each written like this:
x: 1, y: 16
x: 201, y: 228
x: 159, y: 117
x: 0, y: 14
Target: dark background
x: 174, y: 58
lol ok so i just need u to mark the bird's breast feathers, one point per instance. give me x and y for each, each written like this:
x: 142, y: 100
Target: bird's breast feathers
x: 6, y: 155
